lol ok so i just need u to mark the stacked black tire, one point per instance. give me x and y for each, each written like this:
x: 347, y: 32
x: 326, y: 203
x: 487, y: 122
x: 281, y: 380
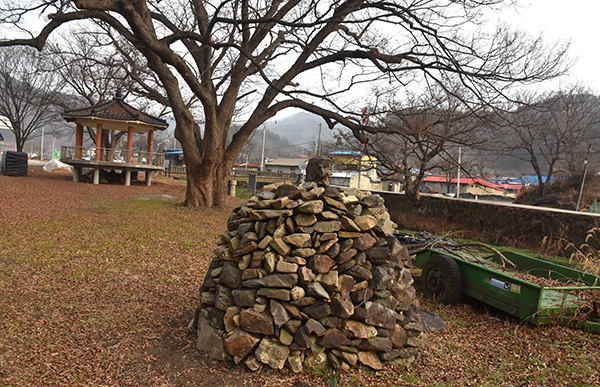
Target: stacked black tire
x: 13, y: 163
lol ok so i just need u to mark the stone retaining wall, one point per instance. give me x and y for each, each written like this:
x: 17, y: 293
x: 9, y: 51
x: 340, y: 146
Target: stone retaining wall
x: 497, y: 224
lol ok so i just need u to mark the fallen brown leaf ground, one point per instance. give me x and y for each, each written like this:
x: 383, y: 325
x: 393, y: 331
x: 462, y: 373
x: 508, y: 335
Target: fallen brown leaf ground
x: 98, y: 283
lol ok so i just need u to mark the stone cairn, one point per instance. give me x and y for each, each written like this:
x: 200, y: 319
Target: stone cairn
x: 308, y: 275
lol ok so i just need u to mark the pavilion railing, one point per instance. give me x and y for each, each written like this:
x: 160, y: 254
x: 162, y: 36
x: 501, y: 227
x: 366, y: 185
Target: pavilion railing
x: 112, y: 155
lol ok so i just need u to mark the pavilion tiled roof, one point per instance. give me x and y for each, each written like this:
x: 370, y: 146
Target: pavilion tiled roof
x: 116, y: 109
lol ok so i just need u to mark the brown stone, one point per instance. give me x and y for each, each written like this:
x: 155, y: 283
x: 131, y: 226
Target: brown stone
x: 230, y: 276
x: 243, y: 297
x: 348, y: 357
x: 321, y: 263
x: 287, y: 190
x: 345, y: 284
x: 280, y: 246
x: 292, y: 326
x: 272, y: 353
x: 278, y: 294
x: 303, y: 252
x: 297, y: 260
x: 378, y: 344
x: 315, y: 327
x: 317, y: 310
x: 303, y: 302
x: 370, y: 359
x: 372, y: 201
x: 250, y: 236
x: 383, y: 277
x: 349, y: 234
x: 268, y: 214
x: 280, y: 202
x: 303, y: 338
x: 329, y: 280
x: 344, y: 267
x: 328, y: 215
x: 286, y: 267
x: 245, y: 249
x: 209, y: 341
x: 364, y: 242
x: 271, y: 226
x: 346, y: 255
x: 330, y: 321
x: 305, y: 275
x: 341, y: 307
x: 327, y: 226
x: 333, y: 251
x: 359, y: 330
x: 305, y: 220
x: 325, y: 245
x: 360, y: 273
x: 293, y: 310
x: 311, y: 207
x: 334, y: 203
x: 265, y: 242
x: 228, y: 318
x: 380, y: 316
x: 376, y: 254
x: 316, y: 290
x: 287, y: 281
x: 279, y: 313
x: 298, y: 240
x: 257, y: 322
x: 240, y: 343
x: 334, y: 338
x: 361, y: 296
x: 398, y: 337
x: 349, y: 225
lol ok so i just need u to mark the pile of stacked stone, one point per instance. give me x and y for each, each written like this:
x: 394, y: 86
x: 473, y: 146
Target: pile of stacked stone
x: 308, y: 275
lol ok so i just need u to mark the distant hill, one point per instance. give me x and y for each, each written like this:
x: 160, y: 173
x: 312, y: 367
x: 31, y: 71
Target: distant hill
x: 300, y: 128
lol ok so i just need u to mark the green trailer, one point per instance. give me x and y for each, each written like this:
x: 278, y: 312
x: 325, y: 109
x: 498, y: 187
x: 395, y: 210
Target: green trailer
x: 446, y: 275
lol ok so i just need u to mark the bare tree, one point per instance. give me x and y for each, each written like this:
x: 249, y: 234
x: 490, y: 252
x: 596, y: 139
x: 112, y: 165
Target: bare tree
x: 28, y: 95
x: 314, y: 55
x: 422, y: 134
x: 552, y: 132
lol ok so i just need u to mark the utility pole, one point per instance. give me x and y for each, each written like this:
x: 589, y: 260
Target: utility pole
x: 42, y: 145
x: 319, y: 146
x: 585, y: 164
x: 458, y: 174
x: 262, y: 153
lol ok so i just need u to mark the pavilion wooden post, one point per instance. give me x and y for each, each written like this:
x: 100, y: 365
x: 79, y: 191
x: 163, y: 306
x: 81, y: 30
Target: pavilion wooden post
x: 129, y: 143
x: 78, y: 141
x: 129, y: 147
x: 150, y: 145
x: 78, y: 150
x: 149, y: 156
x: 99, y: 153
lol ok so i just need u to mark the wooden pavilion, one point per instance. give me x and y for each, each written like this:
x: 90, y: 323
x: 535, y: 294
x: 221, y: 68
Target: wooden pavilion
x: 114, y: 115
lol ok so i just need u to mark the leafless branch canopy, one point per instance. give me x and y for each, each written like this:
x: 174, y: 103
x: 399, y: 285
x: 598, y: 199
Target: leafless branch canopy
x: 319, y: 56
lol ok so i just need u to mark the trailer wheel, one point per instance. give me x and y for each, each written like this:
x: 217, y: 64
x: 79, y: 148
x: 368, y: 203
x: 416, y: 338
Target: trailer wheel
x: 441, y: 279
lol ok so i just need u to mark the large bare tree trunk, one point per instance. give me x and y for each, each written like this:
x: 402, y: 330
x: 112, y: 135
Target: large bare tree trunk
x: 207, y: 185
x: 411, y: 190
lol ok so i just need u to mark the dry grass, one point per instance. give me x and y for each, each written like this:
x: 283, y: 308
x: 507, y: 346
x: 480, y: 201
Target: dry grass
x: 97, y: 287
x: 587, y: 256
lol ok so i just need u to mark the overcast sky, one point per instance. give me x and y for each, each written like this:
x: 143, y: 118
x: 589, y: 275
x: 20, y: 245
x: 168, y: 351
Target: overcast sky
x: 577, y: 20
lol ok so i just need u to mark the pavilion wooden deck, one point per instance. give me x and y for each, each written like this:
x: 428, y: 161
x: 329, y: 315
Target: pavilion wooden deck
x: 109, y: 159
